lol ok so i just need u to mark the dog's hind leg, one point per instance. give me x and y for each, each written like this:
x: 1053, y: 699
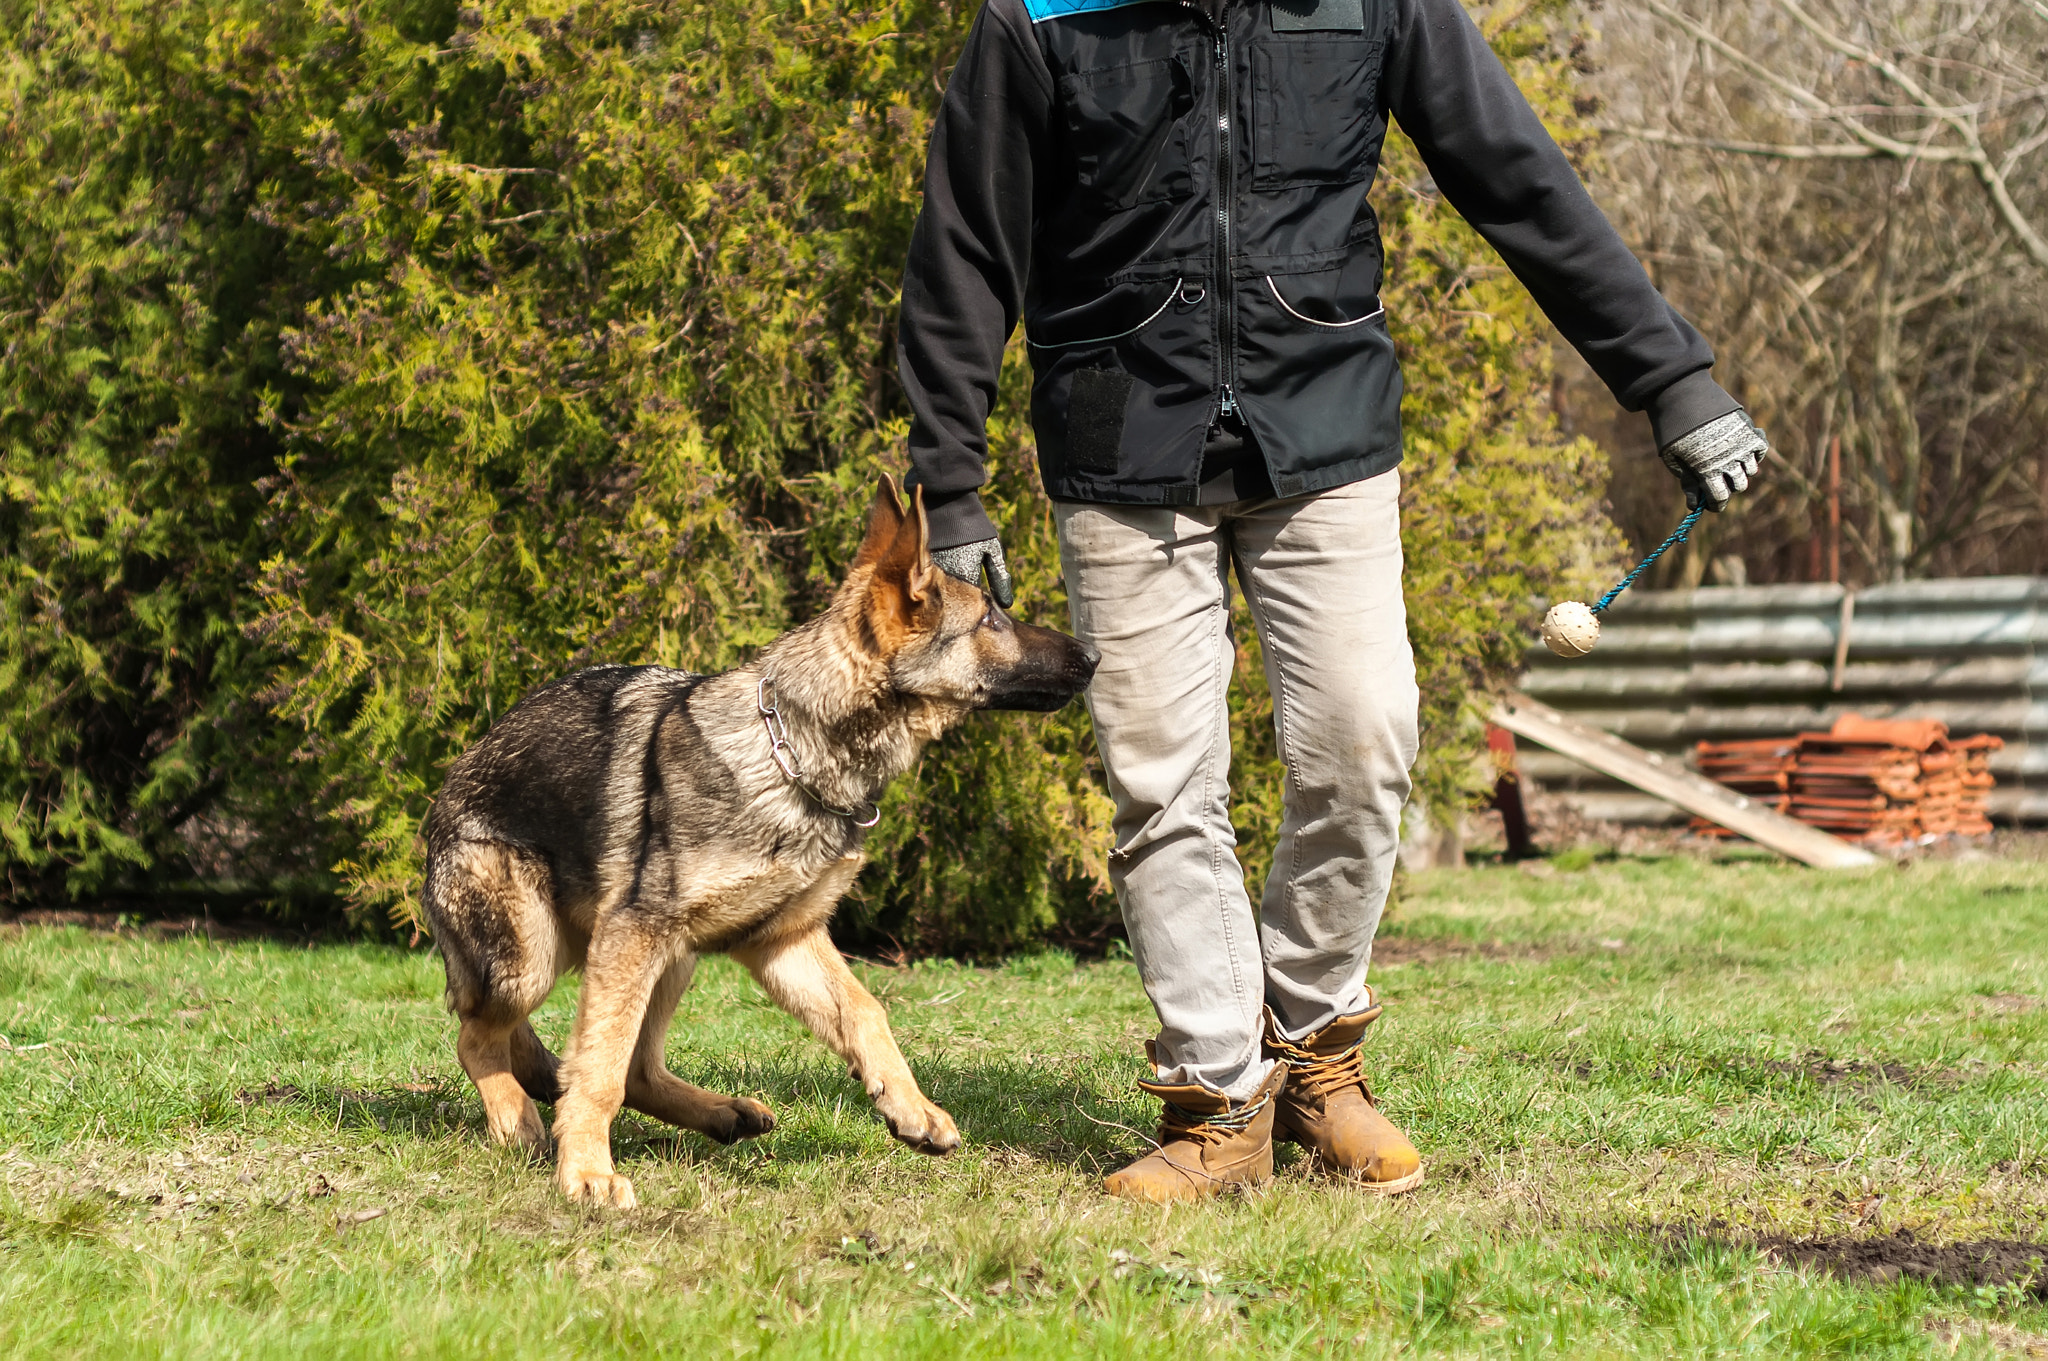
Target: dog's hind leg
x: 494, y: 921
x: 535, y: 1065
x: 809, y: 977
x: 652, y: 1090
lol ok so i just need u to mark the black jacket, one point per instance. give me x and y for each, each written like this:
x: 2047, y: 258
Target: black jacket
x: 1177, y: 207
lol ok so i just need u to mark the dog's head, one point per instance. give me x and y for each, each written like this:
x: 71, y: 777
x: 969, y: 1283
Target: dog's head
x: 947, y: 640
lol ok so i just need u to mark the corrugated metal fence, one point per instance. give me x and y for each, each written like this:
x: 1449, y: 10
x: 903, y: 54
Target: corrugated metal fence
x: 1678, y: 667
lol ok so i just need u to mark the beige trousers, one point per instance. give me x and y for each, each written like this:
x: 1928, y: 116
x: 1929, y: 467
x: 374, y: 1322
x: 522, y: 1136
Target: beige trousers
x: 1150, y: 588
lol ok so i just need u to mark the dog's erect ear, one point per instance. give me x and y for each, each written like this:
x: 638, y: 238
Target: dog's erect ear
x: 913, y: 548
x: 906, y: 580
x: 924, y: 578
x: 885, y: 520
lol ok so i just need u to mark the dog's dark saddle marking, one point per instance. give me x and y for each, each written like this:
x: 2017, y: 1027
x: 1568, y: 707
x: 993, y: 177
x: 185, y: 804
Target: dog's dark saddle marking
x: 653, y: 797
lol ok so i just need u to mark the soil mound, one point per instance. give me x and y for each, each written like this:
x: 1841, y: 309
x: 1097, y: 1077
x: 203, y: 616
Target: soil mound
x: 1984, y: 1261
x: 2008, y: 1262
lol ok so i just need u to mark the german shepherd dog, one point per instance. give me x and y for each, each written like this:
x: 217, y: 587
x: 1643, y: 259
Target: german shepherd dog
x: 628, y: 819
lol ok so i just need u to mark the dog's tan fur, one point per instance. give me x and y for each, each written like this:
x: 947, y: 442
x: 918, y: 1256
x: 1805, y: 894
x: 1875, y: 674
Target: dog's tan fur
x: 627, y: 820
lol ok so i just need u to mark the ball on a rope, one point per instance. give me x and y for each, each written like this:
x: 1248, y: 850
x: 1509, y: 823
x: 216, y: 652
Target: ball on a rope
x: 1570, y: 629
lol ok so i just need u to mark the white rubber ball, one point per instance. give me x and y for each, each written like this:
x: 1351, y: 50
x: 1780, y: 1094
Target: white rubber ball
x: 1570, y: 629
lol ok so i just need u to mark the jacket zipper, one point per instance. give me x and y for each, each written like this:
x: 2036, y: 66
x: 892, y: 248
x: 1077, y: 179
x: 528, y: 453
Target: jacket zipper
x: 1226, y: 166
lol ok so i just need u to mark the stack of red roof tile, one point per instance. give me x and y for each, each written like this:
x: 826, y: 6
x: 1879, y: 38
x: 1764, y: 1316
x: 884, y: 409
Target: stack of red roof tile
x: 1761, y: 769
x: 1973, y: 817
x: 1884, y: 781
x: 1941, y: 792
x: 1867, y: 778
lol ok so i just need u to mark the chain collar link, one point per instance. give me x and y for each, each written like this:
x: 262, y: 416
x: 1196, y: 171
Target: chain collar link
x: 792, y: 769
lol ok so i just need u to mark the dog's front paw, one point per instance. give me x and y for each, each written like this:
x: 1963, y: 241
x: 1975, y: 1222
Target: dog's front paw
x: 606, y: 1190
x: 923, y: 1126
x: 742, y: 1118
x: 584, y: 1172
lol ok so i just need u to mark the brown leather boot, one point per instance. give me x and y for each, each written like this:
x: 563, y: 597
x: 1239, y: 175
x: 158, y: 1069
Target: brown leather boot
x: 1328, y: 1109
x: 1205, y: 1144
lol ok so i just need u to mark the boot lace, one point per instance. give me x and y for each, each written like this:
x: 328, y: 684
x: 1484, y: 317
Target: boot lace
x: 1317, y: 1076
x: 1177, y: 1123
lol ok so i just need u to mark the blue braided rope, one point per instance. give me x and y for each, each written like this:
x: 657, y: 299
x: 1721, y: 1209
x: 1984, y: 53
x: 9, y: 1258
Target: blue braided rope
x: 1677, y: 537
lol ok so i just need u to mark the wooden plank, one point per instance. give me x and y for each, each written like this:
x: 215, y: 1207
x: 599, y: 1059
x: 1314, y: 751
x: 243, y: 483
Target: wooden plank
x: 1675, y: 784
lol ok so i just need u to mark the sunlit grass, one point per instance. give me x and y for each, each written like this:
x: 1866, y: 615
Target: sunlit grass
x: 1625, y: 1079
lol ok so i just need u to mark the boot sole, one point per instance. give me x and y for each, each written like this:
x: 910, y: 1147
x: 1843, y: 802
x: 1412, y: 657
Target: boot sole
x: 1385, y: 1188
x: 1191, y: 1196
x: 1316, y: 1160
x: 1398, y: 1186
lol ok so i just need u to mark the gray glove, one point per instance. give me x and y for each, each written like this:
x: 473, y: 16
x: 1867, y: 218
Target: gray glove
x: 967, y: 560
x: 1717, y: 460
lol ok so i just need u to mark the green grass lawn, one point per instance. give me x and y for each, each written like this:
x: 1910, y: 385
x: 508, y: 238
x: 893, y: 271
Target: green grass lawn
x: 1670, y: 1108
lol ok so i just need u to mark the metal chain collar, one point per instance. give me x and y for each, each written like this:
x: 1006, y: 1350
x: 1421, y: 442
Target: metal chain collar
x: 793, y: 770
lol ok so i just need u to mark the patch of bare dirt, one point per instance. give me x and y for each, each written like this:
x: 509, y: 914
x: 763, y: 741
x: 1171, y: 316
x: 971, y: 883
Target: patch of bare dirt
x: 1853, y: 1074
x: 1435, y: 949
x: 269, y: 1094
x: 1556, y: 825
x: 2011, y: 1264
x: 1857, y: 1073
x: 1985, y: 1261
x: 160, y: 928
x: 2006, y: 1339
x: 1822, y: 1070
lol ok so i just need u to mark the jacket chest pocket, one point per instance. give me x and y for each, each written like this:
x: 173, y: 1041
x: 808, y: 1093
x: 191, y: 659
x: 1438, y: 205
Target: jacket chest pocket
x: 1315, y: 111
x: 1126, y: 132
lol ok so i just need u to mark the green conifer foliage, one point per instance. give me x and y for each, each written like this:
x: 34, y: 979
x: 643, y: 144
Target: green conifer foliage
x: 140, y: 297
x: 365, y: 367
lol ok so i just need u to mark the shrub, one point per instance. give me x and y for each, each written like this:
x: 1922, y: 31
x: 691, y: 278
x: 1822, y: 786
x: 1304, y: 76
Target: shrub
x: 370, y: 366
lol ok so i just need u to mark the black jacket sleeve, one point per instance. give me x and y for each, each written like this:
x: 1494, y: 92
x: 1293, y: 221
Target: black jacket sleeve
x: 970, y: 256
x: 1499, y: 167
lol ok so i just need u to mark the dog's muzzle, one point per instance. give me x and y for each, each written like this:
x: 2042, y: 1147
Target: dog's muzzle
x: 1054, y: 669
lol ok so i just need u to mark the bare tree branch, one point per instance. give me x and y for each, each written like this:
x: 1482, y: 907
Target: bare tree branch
x: 1734, y: 54
x: 1955, y: 283
x: 1814, y: 282
x: 2023, y: 148
x: 1778, y: 150
x: 1877, y: 141
x: 1850, y: 292
x: 1965, y: 127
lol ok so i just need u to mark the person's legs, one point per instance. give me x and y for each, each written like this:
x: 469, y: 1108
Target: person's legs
x: 1148, y: 589
x: 1323, y: 576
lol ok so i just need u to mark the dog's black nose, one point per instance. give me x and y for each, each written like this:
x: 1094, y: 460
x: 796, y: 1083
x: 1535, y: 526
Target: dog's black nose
x: 1089, y: 658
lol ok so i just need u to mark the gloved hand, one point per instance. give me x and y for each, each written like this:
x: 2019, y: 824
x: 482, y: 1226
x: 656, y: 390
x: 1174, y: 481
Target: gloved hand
x: 966, y: 563
x: 1716, y: 460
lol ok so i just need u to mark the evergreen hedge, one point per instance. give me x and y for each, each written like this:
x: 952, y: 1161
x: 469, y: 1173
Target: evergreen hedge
x: 363, y: 366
